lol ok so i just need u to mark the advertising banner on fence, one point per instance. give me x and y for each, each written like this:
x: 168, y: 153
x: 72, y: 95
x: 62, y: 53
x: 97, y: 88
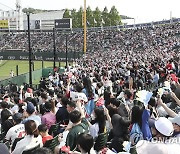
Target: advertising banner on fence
x: 4, y: 24
x: 38, y: 56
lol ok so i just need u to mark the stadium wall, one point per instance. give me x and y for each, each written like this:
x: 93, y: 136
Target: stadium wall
x: 24, y: 78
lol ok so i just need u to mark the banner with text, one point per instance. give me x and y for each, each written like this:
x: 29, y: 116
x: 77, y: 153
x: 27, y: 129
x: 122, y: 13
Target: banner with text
x: 38, y: 56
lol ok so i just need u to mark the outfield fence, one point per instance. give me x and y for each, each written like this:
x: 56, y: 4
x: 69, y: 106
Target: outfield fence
x: 24, y: 78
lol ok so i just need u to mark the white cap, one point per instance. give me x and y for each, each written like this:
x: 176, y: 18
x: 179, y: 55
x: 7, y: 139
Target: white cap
x: 78, y: 96
x: 164, y: 126
x: 82, y: 96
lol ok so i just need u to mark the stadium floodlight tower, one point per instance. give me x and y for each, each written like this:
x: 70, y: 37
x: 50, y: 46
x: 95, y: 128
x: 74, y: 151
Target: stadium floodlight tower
x: 18, y: 10
x: 54, y: 46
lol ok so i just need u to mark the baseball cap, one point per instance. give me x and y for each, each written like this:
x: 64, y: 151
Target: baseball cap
x: 78, y: 96
x: 17, y: 116
x: 82, y: 96
x: 30, y: 108
x: 164, y: 126
x: 175, y: 120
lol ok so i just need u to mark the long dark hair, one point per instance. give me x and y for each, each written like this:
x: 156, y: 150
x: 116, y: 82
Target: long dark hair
x: 100, y: 118
x: 136, y: 116
x: 88, y: 86
x: 152, y: 102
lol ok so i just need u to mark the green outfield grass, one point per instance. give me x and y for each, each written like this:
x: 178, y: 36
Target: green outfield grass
x: 8, y: 65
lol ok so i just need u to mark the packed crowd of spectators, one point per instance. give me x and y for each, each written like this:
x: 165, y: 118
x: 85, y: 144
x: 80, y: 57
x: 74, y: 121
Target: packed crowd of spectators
x: 41, y: 41
x: 125, y: 99
x: 159, y: 37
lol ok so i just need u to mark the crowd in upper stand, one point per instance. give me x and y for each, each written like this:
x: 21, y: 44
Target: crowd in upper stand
x: 159, y: 38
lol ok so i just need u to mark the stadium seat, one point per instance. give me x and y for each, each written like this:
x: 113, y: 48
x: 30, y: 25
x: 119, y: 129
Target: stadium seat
x: 2, y: 136
x: 31, y: 151
x: 51, y: 144
x: 101, y: 141
x: 15, y: 142
x: 7, y: 143
x: 54, y: 129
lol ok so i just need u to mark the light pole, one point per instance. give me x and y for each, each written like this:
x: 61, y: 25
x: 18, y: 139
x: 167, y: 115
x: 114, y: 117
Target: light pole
x: 85, y: 27
x: 54, y: 44
x: 74, y: 49
x: 66, y: 53
x: 30, y: 51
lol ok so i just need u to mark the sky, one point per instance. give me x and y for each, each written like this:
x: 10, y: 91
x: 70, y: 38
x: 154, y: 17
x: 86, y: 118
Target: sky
x: 141, y: 10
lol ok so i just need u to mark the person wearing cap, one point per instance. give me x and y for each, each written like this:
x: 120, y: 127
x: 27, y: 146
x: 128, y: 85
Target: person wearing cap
x: 31, y: 115
x: 162, y: 131
x: 174, y: 117
x: 162, y: 128
x: 72, y: 105
x: 16, y: 131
